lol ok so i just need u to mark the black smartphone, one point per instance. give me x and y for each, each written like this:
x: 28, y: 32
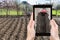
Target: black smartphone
x: 42, y: 14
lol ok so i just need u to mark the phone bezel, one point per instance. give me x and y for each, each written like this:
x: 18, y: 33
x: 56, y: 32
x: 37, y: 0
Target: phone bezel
x: 41, y: 6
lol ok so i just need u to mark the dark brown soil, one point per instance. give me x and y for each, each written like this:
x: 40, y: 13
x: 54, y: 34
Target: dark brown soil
x: 16, y: 28
x: 13, y: 28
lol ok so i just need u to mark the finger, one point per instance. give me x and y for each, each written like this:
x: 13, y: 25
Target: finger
x: 30, y: 29
x: 31, y: 18
x: 30, y: 22
x: 54, y: 28
x: 53, y: 24
x: 33, y: 25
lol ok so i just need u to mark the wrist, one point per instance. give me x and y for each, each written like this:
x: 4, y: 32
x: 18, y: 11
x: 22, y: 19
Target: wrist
x: 30, y: 38
x: 54, y: 38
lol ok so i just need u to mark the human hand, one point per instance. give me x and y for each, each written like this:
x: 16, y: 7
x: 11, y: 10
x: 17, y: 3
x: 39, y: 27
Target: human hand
x: 54, y: 30
x: 30, y: 29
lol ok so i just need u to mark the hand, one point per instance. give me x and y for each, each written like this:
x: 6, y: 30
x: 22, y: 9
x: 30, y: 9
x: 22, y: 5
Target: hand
x: 30, y: 29
x: 54, y: 30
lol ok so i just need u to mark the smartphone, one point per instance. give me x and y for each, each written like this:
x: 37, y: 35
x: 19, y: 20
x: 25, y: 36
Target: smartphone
x: 42, y: 14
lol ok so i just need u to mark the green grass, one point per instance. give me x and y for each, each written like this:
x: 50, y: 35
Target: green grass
x: 10, y: 12
x: 54, y: 12
x: 3, y: 12
x: 14, y: 12
x: 58, y: 12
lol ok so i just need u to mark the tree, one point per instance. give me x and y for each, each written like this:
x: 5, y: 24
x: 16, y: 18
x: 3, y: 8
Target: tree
x: 6, y: 6
x: 58, y: 7
x: 27, y: 6
x: 17, y: 7
x: 0, y: 7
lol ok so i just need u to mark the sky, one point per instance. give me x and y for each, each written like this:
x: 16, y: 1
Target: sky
x: 32, y: 2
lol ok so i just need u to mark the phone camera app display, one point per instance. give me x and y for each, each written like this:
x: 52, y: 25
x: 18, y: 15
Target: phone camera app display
x: 42, y: 17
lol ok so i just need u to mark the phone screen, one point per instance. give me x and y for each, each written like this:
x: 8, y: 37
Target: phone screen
x: 42, y: 14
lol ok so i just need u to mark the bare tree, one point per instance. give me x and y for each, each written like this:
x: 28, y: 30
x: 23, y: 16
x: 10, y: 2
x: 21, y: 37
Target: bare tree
x: 0, y: 7
x: 17, y: 7
x: 6, y: 6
